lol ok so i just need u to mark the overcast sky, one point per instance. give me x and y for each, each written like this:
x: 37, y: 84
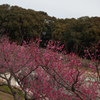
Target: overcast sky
x: 60, y: 8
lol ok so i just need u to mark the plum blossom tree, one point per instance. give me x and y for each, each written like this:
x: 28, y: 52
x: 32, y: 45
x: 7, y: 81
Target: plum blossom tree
x: 45, y: 74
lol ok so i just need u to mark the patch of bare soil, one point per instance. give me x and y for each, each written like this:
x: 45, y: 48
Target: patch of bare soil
x: 5, y: 96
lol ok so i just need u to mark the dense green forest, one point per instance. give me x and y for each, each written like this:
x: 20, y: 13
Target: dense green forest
x: 25, y: 24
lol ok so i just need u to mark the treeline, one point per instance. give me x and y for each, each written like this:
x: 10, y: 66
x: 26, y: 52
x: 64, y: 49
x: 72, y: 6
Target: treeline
x: 26, y: 24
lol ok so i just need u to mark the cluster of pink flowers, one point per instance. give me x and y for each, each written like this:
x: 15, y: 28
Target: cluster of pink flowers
x: 46, y: 73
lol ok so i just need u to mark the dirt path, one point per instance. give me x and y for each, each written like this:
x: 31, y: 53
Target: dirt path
x: 5, y: 96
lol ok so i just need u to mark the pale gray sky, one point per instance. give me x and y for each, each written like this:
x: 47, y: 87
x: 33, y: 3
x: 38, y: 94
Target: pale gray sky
x: 60, y: 8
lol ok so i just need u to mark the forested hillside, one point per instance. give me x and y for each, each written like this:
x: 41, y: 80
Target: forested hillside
x: 42, y: 70
x: 25, y: 24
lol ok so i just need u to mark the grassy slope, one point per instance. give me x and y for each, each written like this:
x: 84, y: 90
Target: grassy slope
x: 5, y: 96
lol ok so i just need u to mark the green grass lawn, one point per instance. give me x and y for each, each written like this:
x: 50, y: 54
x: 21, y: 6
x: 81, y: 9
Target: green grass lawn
x: 5, y: 96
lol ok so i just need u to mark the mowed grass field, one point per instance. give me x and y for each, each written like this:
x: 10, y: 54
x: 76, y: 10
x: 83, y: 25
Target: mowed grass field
x: 6, y: 96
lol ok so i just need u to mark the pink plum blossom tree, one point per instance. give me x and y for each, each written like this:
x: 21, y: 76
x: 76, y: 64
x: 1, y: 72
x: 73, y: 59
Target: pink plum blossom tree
x: 45, y: 74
